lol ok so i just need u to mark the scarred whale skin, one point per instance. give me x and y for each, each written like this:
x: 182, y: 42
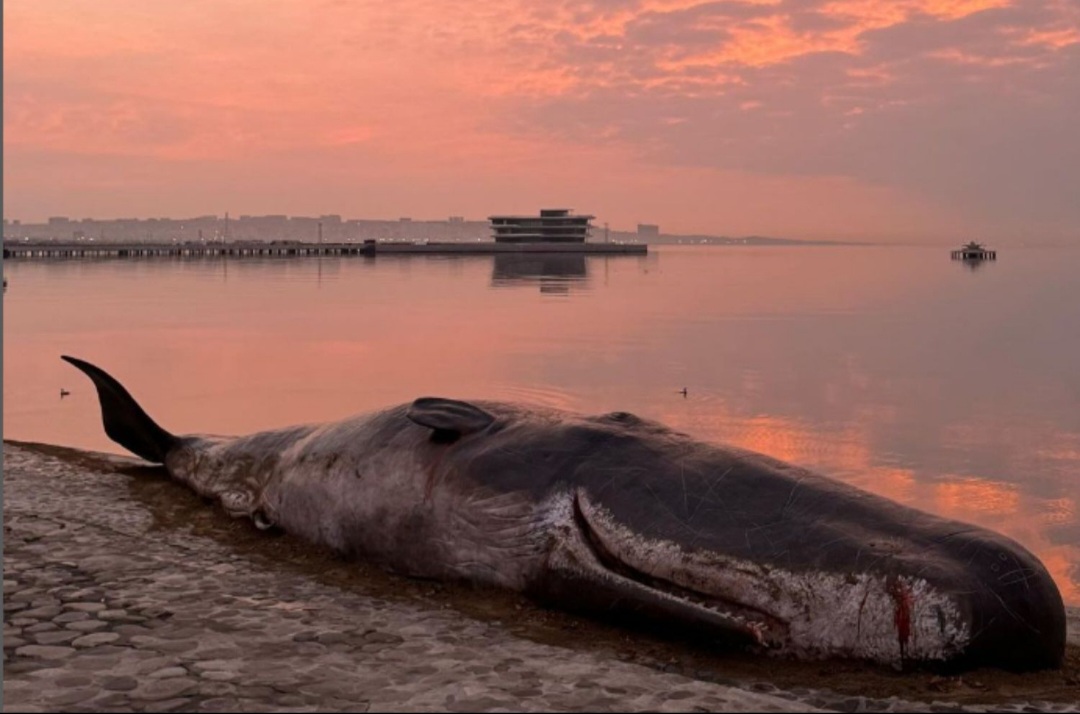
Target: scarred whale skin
x: 621, y: 516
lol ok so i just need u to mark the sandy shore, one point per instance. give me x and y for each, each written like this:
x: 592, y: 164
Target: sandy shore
x: 124, y: 592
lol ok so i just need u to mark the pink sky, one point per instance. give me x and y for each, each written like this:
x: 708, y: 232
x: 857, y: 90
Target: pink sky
x: 854, y: 119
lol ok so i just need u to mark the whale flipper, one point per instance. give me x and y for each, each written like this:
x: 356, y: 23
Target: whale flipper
x: 125, y: 421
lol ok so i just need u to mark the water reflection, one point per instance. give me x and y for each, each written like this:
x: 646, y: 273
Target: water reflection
x: 555, y: 274
x: 1048, y: 526
x: 973, y: 264
x: 881, y: 367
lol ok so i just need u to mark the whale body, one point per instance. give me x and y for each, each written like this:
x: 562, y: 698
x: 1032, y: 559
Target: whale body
x: 624, y: 517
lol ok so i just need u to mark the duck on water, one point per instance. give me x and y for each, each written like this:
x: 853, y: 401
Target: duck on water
x: 623, y: 517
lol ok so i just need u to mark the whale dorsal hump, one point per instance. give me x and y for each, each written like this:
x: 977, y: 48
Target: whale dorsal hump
x: 448, y: 417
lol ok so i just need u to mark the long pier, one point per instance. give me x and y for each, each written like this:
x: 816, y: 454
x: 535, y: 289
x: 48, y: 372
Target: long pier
x: 86, y: 249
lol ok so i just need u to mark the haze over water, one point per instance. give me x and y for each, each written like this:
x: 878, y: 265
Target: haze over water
x: 952, y: 389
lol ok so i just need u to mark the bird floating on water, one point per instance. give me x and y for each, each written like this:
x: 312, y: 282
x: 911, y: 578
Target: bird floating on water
x: 63, y: 392
x: 683, y: 391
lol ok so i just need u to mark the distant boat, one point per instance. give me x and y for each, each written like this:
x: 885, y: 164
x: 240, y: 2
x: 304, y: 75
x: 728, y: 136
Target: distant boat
x: 974, y: 251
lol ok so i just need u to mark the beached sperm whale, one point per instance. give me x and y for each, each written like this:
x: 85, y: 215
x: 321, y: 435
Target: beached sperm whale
x: 618, y: 515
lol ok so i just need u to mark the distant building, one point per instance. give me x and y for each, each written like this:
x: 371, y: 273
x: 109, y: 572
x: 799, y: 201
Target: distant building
x: 648, y: 230
x: 974, y: 251
x: 553, y: 225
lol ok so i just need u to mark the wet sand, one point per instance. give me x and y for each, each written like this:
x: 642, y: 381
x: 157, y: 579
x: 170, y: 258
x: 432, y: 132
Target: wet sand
x: 124, y: 590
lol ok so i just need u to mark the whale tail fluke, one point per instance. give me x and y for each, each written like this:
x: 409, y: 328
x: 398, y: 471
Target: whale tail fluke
x: 125, y: 421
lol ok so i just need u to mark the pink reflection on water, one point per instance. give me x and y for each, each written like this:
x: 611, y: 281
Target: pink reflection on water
x: 823, y: 359
x: 847, y: 455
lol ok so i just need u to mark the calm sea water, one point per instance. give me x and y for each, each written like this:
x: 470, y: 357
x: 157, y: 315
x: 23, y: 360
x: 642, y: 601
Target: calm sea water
x: 952, y: 389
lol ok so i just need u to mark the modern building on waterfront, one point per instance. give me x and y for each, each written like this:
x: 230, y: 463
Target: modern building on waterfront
x: 553, y: 225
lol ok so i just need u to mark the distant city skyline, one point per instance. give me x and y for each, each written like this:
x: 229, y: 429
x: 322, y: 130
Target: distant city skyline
x: 331, y: 228
x: 878, y: 120
x: 334, y: 227
x: 339, y: 228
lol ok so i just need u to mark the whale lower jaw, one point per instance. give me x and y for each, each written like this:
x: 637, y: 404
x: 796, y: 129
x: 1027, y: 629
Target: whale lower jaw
x: 891, y: 620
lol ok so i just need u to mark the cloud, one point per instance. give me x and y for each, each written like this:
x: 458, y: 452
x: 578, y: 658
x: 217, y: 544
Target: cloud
x: 969, y: 103
x: 961, y: 108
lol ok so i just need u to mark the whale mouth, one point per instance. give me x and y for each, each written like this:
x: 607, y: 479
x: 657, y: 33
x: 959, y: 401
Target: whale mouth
x: 707, y: 615
x: 892, y: 614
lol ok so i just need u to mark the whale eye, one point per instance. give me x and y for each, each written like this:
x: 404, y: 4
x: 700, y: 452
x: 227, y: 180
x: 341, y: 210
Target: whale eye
x: 885, y: 546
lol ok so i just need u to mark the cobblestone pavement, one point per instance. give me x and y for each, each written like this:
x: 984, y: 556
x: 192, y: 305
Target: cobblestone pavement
x: 105, y: 611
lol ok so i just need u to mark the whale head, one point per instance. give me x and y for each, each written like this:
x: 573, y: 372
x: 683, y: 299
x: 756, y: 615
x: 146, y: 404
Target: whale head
x: 654, y: 525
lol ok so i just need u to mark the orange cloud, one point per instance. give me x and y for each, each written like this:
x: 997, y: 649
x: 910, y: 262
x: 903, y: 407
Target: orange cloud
x: 876, y: 14
x: 1056, y: 39
x: 765, y: 42
x: 964, y: 58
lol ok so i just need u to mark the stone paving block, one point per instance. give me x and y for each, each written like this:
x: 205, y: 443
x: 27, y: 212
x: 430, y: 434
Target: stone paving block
x: 168, y: 705
x: 95, y: 639
x: 46, y: 652
x: 162, y: 689
x: 119, y: 684
x: 54, y: 637
x: 86, y: 625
